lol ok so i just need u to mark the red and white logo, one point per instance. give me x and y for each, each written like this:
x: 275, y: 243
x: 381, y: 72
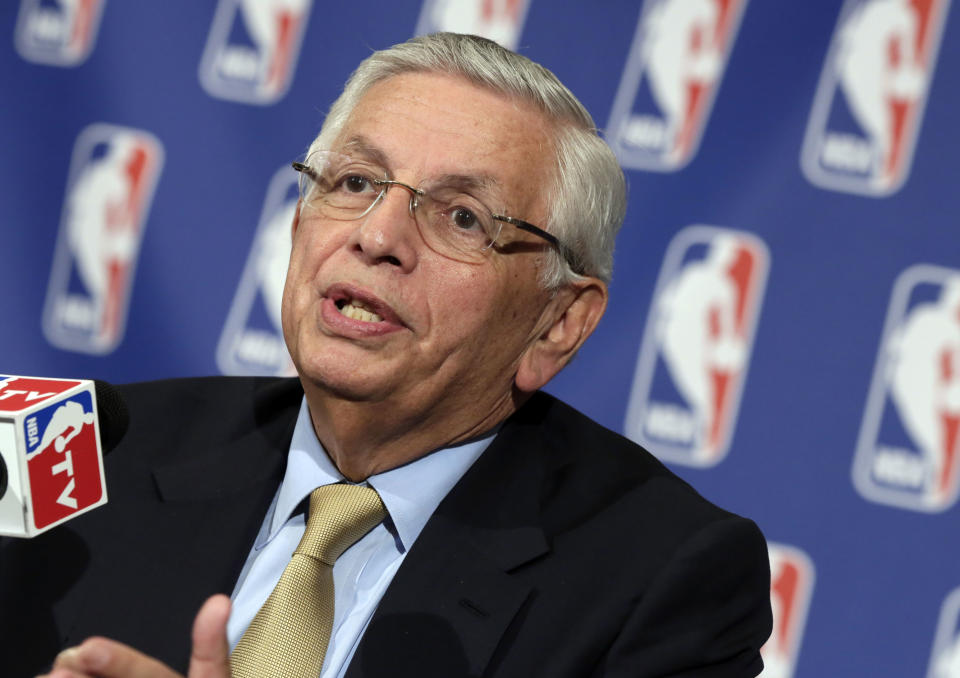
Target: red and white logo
x: 253, y: 48
x: 791, y: 586
x: 113, y: 173
x: 498, y: 20
x: 57, y: 32
x: 252, y: 339
x: 65, y: 468
x: 49, y: 445
x: 697, y: 345
x: 869, y: 104
x: 18, y: 393
x: 676, y: 63
x: 909, y: 445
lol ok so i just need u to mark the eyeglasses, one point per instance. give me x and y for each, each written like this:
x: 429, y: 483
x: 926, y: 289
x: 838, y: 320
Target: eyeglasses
x: 451, y: 220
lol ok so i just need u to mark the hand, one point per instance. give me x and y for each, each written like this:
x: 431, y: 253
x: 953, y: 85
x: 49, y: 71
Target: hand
x: 105, y: 658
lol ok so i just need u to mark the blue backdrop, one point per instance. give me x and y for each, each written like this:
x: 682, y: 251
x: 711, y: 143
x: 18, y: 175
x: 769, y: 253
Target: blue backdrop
x: 784, y: 325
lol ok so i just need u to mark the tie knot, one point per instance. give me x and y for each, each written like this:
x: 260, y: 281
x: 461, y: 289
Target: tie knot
x: 339, y: 515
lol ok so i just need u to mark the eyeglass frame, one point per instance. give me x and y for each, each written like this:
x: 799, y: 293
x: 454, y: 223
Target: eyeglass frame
x: 415, y: 192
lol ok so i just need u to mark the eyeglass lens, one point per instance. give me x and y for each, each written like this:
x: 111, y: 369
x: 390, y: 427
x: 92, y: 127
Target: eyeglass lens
x: 450, y: 220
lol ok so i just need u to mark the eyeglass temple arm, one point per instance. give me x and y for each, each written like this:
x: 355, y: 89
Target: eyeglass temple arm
x: 529, y: 228
x: 565, y: 251
x: 306, y: 169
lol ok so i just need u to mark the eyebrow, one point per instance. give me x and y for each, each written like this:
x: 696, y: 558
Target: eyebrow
x: 481, y: 183
x: 359, y: 144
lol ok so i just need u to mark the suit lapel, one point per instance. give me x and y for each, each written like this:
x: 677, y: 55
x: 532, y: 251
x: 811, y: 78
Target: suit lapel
x: 453, y: 597
x: 203, y: 516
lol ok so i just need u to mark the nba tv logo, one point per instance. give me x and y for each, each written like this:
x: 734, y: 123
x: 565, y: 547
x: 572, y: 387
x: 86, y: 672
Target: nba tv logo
x: 252, y: 338
x: 869, y: 104
x: 909, y: 444
x: 697, y: 345
x: 57, y: 32
x: 113, y: 173
x: 677, y: 60
x: 66, y: 472
x: 497, y: 20
x: 791, y: 586
x: 253, y: 48
x: 945, y: 657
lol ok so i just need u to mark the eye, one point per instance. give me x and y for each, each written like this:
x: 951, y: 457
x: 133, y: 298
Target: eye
x: 356, y: 183
x: 464, y: 219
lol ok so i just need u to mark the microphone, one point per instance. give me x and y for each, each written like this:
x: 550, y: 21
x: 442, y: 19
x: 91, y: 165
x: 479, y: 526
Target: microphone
x: 53, y: 435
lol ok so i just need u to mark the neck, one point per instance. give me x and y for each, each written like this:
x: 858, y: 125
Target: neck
x: 366, y: 438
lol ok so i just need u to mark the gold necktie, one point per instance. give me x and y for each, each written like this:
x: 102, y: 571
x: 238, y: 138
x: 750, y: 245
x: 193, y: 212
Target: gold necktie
x: 288, y: 636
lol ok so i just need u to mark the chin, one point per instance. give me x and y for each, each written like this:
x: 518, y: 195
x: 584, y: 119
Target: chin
x: 338, y: 378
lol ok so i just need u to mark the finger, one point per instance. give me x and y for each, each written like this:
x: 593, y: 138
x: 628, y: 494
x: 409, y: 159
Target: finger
x: 65, y: 673
x: 107, y: 658
x: 210, y: 657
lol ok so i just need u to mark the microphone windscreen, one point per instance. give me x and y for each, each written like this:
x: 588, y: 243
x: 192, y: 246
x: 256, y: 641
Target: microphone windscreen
x: 113, y: 415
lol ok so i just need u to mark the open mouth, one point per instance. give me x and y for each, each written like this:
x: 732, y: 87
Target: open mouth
x: 357, y: 310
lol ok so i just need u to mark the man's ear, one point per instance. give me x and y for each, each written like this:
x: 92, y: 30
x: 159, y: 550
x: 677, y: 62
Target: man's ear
x: 570, y: 317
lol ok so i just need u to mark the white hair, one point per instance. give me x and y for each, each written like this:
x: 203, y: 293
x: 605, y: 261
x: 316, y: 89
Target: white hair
x: 588, y: 198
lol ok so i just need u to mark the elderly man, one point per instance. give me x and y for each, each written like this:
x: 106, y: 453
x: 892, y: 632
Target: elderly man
x: 419, y: 508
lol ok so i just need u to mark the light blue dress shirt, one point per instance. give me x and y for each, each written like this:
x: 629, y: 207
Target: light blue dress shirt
x: 410, y: 493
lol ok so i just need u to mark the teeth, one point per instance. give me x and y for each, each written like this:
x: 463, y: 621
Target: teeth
x: 357, y: 310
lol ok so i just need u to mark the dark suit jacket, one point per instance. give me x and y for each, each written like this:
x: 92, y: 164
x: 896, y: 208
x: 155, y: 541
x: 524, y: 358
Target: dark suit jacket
x: 566, y: 550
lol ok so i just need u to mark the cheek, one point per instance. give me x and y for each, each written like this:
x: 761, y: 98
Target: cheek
x: 312, y: 247
x: 488, y: 316
x: 458, y: 300
x: 290, y: 305
x: 310, y: 250
x: 294, y: 290
x: 521, y: 307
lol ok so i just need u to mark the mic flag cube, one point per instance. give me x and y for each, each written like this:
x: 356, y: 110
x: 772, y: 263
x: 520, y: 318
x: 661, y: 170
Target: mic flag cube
x: 50, y: 449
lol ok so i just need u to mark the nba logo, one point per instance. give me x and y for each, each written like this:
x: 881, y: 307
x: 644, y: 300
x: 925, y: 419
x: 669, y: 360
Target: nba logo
x: 50, y: 447
x: 113, y: 173
x: 253, y: 48
x: 945, y: 657
x: 791, y: 586
x: 869, y: 103
x: 57, y: 32
x: 252, y: 339
x: 66, y: 471
x: 676, y: 63
x: 697, y: 345
x: 907, y: 452
x: 497, y: 20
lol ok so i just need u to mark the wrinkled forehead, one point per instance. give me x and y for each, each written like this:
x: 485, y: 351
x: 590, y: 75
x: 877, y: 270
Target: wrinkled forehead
x: 424, y: 126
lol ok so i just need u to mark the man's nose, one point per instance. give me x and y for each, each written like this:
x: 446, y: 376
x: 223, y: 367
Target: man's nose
x: 388, y: 233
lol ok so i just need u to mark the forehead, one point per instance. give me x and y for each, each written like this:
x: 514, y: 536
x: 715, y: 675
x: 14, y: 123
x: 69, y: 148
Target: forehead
x: 425, y: 125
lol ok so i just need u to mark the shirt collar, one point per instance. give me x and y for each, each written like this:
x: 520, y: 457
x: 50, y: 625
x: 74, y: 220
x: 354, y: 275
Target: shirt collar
x: 410, y: 493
